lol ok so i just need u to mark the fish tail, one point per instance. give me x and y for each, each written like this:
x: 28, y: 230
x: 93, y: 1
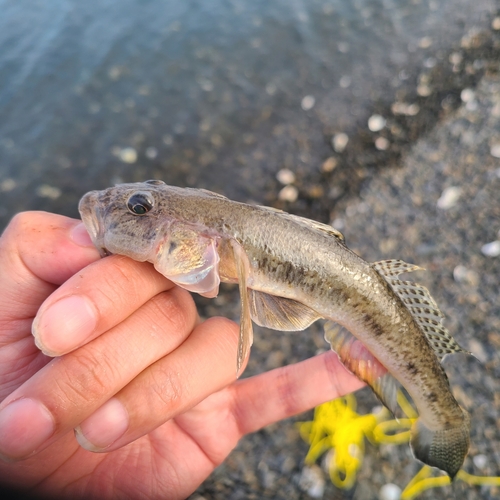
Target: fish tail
x: 443, y: 448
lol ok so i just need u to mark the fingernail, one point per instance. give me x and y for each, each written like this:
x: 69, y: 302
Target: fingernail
x: 25, y: 424
x: 64, y: 326
x: 103, y: 427
x: 80, y: 236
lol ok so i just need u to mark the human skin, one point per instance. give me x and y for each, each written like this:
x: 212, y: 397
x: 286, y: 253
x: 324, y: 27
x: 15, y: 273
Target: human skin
x: 121, y: 391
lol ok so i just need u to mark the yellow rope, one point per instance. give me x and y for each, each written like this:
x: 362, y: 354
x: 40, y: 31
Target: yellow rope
x: 338, y: 427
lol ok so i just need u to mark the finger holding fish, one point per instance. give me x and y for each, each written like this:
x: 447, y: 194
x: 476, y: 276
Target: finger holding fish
x: 94, y: 300
x: 71, y: 387
x: 171, y: 386
x: 201, y: 365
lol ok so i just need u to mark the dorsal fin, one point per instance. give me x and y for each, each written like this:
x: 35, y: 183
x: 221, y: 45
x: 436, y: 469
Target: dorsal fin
x: 311, y: 224
x: 212, y: 193
x: 394, y: 267
x: 421, y: 305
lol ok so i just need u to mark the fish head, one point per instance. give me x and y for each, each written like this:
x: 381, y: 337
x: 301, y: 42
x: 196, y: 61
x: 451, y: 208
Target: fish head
x: 127, y: 219
x: 150, y: 221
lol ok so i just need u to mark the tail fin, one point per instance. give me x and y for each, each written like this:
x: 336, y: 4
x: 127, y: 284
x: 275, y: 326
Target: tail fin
x: 445, y: 449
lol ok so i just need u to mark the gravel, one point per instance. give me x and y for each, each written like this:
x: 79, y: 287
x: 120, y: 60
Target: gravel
x: 438, y: 209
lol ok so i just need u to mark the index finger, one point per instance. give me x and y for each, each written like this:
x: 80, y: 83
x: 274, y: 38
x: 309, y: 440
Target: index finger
x: 94, y: 300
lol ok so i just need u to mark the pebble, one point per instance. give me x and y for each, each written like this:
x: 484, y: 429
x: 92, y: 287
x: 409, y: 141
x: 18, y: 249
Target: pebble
x: 46, y: 191
x: 403, y: 108
x: 390, y: 491
x: 312, y: 481
x: 343, y: 47
x: 217, y: 140
x: 308, y: 102
x: 455, y: 58
x: 480, y: 461
x: 449, y: 197
x: 151, y: 153
x: 339, y: 142
x: 338, y: 224
x: 128, y: 155
x: 495, y: 150
x: 206, y: 84
x: 345, y: 82
x: 491, y: 249
x: 289, y: 193
x: 168, y: 140
x: 285, y: 176
x: 424, y: 90
x: 463, y: 275
x: 115, y: 72
x: 476, y: 348
x: 271, y: 89
x: 376, y: 123
x: 425, y: 42
x: 467, y: 95
x: 430, y: 62
x: 7, y: 185
x: 381, y: 143
x: 329, y: 165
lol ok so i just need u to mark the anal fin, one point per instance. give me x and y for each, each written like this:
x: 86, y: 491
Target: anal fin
x: 362, y: 363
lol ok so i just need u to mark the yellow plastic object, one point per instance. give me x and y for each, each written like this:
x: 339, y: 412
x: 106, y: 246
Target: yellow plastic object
x: 338, y: 427
x: 424, y: 481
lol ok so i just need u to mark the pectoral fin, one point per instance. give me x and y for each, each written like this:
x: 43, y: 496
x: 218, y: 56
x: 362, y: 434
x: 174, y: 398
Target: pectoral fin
x: 246, y: 330
x: 362, y: 363
x: 190, y: 260
x: 280, y: 313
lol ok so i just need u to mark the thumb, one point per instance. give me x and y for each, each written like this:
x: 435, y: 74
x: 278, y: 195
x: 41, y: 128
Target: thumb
x: 38, y: 252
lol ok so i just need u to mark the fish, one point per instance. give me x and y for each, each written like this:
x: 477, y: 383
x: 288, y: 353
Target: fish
x: 292, y: 271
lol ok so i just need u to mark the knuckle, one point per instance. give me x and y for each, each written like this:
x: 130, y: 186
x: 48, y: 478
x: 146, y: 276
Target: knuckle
x: 174, y: 309
x: 16, y: 227
x: 226, y: 334
x: 115, y: 286
x: 123, y: 283
x: 166, y: 390
x: 21, y: 220
x: 22, y: 223
x: 287, y: 392
x: 85, y: 377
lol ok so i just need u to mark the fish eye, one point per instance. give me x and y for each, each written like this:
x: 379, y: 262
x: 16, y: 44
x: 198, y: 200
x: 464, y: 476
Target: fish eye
x: 140, y: 203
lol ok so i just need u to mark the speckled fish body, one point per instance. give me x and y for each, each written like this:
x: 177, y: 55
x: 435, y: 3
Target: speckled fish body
x: 292, y: 271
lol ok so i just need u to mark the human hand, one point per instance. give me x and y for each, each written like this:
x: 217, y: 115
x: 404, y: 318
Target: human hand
x: 138, y: 375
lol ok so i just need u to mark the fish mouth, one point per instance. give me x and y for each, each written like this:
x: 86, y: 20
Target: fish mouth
x: 92, y: 218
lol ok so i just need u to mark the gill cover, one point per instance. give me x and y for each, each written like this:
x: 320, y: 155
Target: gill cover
x: 190, y: 260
